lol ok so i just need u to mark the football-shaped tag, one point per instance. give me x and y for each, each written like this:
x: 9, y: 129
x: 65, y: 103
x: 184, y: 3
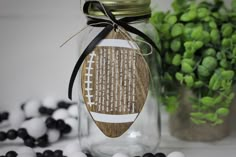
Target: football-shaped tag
x: 115, y: 81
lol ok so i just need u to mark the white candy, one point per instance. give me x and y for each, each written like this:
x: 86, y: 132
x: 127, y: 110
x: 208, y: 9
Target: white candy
x: 74, y: 127
x: 26, y: 150
x: 176, y: 154
x: 50, y: 102
x: 120, y: 155
x: 35, y: 127
x: 73, y: 110
x: 71, y: 148
x: 26, y: 155
x: 16, y: 118
x: 77, y: 154
x: 31, y: 108
x: 60, y: 114
x: 53, y: 135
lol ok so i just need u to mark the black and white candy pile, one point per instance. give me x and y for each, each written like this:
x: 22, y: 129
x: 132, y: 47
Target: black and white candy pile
x: 40, y: 123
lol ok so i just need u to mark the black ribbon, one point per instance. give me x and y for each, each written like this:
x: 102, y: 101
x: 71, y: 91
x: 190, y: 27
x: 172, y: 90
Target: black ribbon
x: 109, y: 24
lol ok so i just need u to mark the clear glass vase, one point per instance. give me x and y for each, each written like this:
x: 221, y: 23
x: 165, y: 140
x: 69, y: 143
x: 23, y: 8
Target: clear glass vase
x: 144, y: 134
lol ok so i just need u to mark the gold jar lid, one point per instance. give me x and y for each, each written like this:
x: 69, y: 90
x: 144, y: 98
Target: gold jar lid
x: 124, y: 7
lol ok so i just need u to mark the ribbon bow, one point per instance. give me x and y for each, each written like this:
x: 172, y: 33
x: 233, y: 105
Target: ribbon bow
x: 109, y: 24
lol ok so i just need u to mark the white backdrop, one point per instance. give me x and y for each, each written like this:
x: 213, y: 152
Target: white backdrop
x: 31, y: 63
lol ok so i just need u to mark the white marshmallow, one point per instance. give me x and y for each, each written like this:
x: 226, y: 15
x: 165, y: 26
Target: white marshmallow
x: 73, y: 110
x: 72, y: 147
x: 53, y: 135
x: 77, y: 154
x: 26, y: 150
x: 60, y: 114
x: 26, y: 155
x: 50, y: 102
x: 120, y: 155
x: 35, y: 127
x: 16, y: 118
x: 31, y: 108
x: 176, y: 154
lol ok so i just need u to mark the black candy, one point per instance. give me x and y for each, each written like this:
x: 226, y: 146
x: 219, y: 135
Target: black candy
x: 66, y: 129
x: 50, y: 123
x: 63, y: 104
x: 60, y: 124
x: 88, y: 155
x: 39, y: 154
x: 22, y: 133
x: 3, y: 136
x: 50, y: 111
x: 4, y: 115
x: 160, y: 155
x: 48, y: 153
x: 148, y: 155
x: 12, y: 134
x: 58, y: 153
x: 22, y: 106
x: 43, y: 110
x: 11, y: 154
x: 43, y: 141
x: 30, y: 142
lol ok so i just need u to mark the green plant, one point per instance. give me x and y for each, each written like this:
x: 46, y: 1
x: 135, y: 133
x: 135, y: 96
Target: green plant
x: 198, y: 51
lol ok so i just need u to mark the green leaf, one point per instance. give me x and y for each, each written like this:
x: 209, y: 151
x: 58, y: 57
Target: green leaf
x: 210, y: 117
x: 198, y: 84
x: 177, y: 30
x: 209, y: 101
x: 171, y: 103
x: 197, y: 33
x: 180, y: 77
x: 231, y: 96
x: 203, y: 71
x: 186, y: 68
x: 198, y: 45
x: 227, y: 30
x: 216, y: 85
x: 189, y: 16
x: 189, y: 61
x: 209, y: 52
x: 176, y: 60
x: 213, y: 80
x: 210, y: 63
x: 178, y: 5
x: 218, y: 122
x: 198, y: 115
x: 218, y: 99
x: 189, y: 81
x: 157, y: 18
x: 172, y: 19
x: 222, y: 112
x: 227, y: 74
x: 198, y: 121
x: 175, y: 45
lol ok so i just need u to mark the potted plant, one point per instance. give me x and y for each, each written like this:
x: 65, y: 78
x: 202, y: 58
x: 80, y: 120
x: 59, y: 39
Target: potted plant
x: 198, y: 51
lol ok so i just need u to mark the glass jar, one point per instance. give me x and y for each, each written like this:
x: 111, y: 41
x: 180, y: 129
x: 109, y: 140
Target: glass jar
x: 144, y: 134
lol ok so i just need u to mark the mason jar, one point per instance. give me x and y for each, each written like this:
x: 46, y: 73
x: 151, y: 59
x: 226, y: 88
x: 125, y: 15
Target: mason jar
x: 144, y: 134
